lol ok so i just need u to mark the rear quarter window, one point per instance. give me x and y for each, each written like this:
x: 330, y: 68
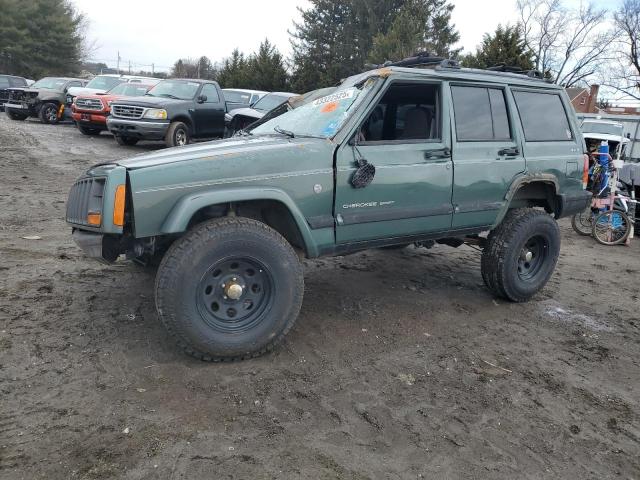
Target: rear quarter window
x: 543, y: 117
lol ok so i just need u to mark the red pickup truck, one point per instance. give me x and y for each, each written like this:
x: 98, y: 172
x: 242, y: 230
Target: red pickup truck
x: 90, y: 112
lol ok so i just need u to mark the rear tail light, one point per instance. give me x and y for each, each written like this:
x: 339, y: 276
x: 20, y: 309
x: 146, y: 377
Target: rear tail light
x: 118, y: 206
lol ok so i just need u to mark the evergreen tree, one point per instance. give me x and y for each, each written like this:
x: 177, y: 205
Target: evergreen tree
x: 233, y: 73
x: 40, y: 37
x: 337, y: 39
x: 266, y: 69
x: 505, y: 46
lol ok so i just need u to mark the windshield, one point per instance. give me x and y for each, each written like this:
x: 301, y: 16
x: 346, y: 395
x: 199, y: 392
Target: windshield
x: 269, y: 102
x: 322, y: 117
x: 603, y: 128
x: 4, y: 82
x: 180, y: 89
x: 50, y: 83
x: 129, y: 90
x: 234, y: 96
x: 104, y: 83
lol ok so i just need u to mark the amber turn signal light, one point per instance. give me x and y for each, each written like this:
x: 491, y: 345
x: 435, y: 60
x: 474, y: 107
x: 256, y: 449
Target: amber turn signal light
x: 118, y: 206
x: 94, y: 219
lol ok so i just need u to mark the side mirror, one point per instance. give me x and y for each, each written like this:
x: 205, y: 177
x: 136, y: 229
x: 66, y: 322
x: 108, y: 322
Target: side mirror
x: 202, y: 98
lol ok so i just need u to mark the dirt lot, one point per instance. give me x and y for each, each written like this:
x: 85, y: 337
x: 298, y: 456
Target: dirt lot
x: 401, y: 365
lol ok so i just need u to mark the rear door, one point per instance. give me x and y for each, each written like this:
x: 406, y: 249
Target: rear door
x: 406, y: 138
x: 209, y: 115
x: 487, y: 152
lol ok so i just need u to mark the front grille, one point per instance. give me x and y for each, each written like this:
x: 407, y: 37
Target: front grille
x: 89, y: 104
x: 85, y: 196
x: 4, y: 95
x: 19, y: 96
x: 126, y: 111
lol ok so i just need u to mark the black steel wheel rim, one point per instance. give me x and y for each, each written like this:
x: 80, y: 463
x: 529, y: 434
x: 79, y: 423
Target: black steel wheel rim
x: 532, y: 258
x: 234, y: 294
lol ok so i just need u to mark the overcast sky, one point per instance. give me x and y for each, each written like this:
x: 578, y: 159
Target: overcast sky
x: 147, y: 31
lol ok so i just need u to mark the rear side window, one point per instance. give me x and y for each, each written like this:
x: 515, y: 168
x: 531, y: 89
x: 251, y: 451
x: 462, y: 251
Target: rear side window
x: 481, y: 114
x: 543, y: 117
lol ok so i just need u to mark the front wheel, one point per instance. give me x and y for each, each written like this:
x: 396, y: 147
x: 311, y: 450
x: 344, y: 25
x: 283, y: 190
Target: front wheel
x: 177, y: 135
x: 88, y: 130
x: 16, y: 116
x: 229, y: 289
x: 611, y: 227
x: 521, y: 254
x: 583, y: 221
x: 125, y: 141
x: 49, y: 113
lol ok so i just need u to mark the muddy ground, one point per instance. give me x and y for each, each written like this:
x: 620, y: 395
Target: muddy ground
x: 401, y: 365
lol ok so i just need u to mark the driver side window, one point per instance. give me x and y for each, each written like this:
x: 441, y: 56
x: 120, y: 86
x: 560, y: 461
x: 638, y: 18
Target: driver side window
x: 211, y: 93
x: 407, y: 113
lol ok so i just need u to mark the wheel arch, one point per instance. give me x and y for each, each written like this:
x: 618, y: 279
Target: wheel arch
x: 269, y: 205
x: 534, y: 190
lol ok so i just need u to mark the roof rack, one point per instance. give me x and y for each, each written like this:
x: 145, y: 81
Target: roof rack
x: 503, y: 67
x: 420, y: 60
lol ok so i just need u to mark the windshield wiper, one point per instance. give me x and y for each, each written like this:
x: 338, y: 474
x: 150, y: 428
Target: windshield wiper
x: 169, y: 95
x: 149, y: 95
x: 284, y: 132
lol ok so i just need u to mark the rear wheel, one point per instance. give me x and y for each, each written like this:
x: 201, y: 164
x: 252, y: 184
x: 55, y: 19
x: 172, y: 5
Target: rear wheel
x: 229, y: 289
x: 16, y: 116
x: 611, y: 227
x: 177, y: 135
x: 521, y: 254
x: 128, y: 141
x: 88, y: 130
x: 49, y: 113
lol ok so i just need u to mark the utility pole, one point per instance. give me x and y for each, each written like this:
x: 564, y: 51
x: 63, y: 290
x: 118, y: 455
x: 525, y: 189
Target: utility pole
x: 153, y: 69
x: 118, y: 67
x: 129, y: 67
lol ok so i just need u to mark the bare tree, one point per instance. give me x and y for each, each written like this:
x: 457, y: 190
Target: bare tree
x: 568, y: 45
x: 624, y: 75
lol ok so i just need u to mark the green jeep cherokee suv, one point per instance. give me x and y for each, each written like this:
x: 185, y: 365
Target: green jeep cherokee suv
x: 394, y: 156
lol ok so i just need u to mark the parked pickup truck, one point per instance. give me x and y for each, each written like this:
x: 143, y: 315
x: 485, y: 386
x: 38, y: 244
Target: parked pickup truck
x: 44, y: 99
x: 90, y: 112
x: 175, y: 111
x: 394, y: 156
x: 104, y: 83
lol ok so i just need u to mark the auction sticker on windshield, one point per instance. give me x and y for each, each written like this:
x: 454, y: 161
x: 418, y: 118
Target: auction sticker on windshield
x: 335, y: 97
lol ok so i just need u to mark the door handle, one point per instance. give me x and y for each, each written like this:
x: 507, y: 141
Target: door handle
x: 439, y: 153
x: 509, y: 152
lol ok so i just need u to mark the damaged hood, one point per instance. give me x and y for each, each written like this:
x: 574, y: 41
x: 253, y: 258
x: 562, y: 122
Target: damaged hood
x: 229, y: 148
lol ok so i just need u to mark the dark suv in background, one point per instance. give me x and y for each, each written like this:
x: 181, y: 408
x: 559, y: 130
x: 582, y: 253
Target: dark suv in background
x: 175, y: 111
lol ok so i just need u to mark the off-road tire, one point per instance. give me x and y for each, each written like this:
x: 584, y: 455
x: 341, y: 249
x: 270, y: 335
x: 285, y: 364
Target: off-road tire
x: 89, y: 130
x: 193, y: 259
x: 176, y: 132
x: 505, y: 247
x: 126, y: 141
x: 15, y: 116
x: 46, y: 115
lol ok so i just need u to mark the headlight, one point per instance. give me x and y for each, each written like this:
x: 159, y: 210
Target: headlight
x: 70, y: 98
x: 156, y: 113
x: 227, y: 117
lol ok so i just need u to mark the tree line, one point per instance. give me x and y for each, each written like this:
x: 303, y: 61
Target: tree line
x: 335, y: 39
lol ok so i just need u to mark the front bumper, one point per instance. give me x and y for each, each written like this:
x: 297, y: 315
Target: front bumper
x: 90, y: 119
x: 104, y: 248
x: 573, y: 203
x: 143, y: 129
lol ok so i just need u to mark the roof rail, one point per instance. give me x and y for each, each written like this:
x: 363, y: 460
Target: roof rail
x: 503, y: 67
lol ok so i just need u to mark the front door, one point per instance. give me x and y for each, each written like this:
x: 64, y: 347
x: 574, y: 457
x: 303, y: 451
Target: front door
x: 487, y: 152
x: 405, y: 138
x: 209, y: 114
